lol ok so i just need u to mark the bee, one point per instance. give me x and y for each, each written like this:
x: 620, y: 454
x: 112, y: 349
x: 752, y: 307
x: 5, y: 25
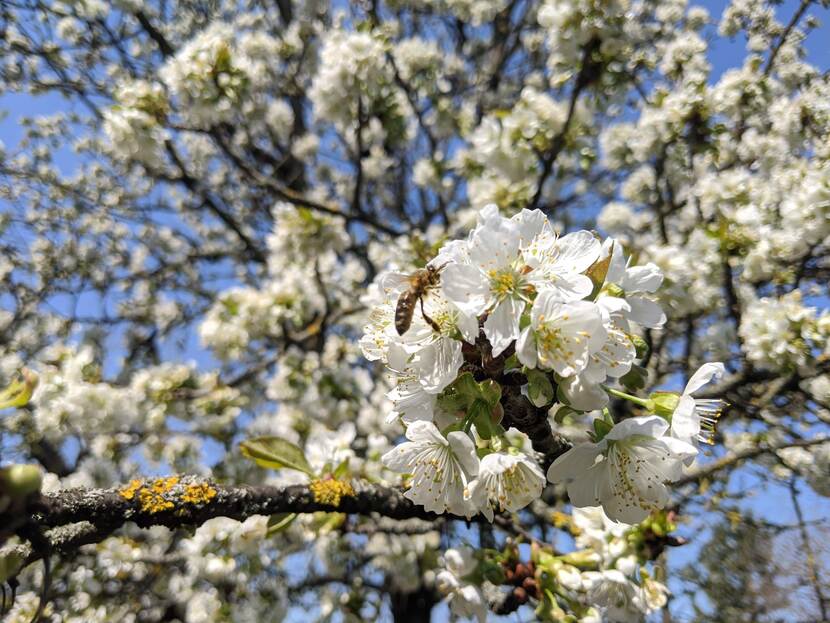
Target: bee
x: 420, y: 283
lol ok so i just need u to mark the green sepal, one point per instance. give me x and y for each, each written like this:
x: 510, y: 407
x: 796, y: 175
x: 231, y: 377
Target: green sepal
x: 597, y: 273
x: 663, y: 404
x: 601, y: 429
x: 539, y: 388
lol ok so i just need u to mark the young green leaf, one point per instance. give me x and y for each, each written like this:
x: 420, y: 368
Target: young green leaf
x: 279, y: 522
x: 276, y: 453
x: 539, y: 388
x: 601, y: 428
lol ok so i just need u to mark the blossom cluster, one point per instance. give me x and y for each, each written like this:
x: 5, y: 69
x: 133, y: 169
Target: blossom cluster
x: 515, y: 297
x: 606, y: 578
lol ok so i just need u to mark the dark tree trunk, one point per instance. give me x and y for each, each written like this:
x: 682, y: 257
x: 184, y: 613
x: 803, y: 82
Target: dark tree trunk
x: 413, y: 607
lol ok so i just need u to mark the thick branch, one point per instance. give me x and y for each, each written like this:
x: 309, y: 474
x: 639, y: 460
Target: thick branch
x: 111, y: 507
x: 71, y: 518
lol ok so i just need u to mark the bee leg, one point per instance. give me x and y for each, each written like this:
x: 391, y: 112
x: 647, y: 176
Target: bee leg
x: 429, y: 320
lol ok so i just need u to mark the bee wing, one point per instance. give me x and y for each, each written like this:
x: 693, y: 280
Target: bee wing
x: 394, y: 282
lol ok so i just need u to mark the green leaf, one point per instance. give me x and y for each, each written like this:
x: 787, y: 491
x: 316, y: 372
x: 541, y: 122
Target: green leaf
x: 276, y: 453
x: 635, y: 379
x: 563, y: 412
x: 490, y: 392
x: 341, y: 470
x: 512, y: 362
x: 11, y: 564
x: 19, y: 391
x: 466, y: 387
x: 539, y: 388
x: 481, y: 416
x: 601, y: 428
x: 279, y: 522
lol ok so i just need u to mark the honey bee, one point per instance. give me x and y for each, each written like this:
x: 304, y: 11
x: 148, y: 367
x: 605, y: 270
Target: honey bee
x: 420, y: 283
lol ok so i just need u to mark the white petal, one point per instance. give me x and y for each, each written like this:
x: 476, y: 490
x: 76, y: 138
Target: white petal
x: 530, y: 224
x: 489, y: 212
x: 502, y: 325
x: 465, y: 451
x: 590, y: 487
x: 425, y: 432
x: 642, y: 278
x: 526, y: 348
x: 705, y: 374
x: 680, y: 449
x: 467, y: 287
x: 583, y: 394
x: 400, y: 458
x: 648, y: 425
x: 685, y: 424
x: 565, y: 287
x: 397, y: 357
x: 574, y: 463
x: 616, y: 268
x: 437, y: 364
x: 494, y: 245
x: 646, y: 312
x: 468, y: 326
x: 576, y: 252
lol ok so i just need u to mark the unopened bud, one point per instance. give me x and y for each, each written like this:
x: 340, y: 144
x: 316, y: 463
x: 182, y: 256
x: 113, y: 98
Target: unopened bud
x: 612, y: 289
x: 640, y: 345
x: 19, y: 481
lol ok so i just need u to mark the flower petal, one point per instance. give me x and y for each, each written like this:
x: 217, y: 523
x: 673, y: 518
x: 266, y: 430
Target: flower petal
x: 467, y: 287
x: 642, y: 278
x: 705, y: 374
x: 646, y: 312
x: 574, y: 463
x: 502, y: 325
x: 577, y: 251
x: 647, y: 425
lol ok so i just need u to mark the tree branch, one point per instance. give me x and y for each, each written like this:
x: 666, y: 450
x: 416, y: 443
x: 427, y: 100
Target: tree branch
x: 71, y: 518
x: 736, y: 457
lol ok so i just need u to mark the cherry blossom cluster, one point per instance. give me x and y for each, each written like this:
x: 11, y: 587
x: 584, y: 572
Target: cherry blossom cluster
x: 560, y: 312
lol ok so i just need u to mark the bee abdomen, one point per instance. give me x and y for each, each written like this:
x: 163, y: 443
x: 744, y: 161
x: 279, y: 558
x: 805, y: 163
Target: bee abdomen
x: 404, y: 312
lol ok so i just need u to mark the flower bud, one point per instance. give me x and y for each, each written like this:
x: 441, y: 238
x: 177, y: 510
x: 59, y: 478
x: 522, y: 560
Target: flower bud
x: 612, y: 289
x: 640, y: 345
x: 19, y: 481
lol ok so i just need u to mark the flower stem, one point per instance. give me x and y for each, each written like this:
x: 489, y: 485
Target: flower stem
x: 617, y: 393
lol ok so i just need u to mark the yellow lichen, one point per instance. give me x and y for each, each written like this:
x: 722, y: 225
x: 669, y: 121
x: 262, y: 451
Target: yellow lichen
x: 163, y: 494
x: 198, y: 493
x: 152, y: 502
x: 128, y: 492
x: 330, y: 491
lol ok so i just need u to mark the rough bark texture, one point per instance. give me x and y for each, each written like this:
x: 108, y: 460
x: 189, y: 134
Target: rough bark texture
x: 112, y: 507
x: 63, y: 521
